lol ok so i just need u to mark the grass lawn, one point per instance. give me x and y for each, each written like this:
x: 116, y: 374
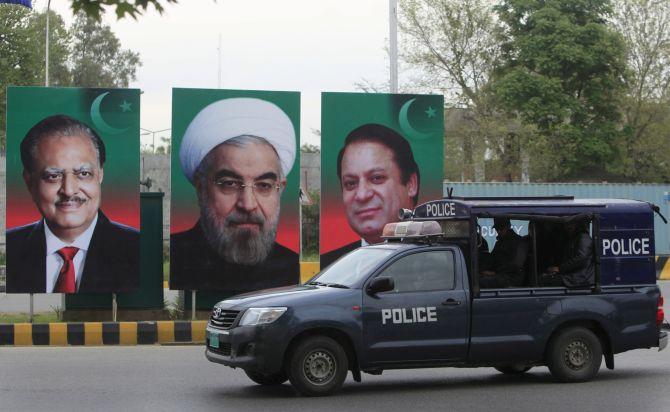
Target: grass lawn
x: 43, y: 317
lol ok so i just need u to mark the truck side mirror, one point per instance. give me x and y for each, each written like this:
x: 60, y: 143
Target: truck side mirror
x: 380, y: 284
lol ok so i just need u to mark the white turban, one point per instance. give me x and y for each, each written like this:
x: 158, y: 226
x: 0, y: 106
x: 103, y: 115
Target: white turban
x: 229, y: 118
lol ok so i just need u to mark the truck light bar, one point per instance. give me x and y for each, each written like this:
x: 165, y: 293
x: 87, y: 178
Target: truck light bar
x: 412, y: 229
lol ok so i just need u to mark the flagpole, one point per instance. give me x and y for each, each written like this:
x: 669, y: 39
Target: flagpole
x: 46, y: 69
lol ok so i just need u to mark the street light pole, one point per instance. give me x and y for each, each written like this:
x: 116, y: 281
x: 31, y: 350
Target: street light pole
x: 393, y: 44
x: 46, y: 83
x: 219, y: 83
x: 46, y: 68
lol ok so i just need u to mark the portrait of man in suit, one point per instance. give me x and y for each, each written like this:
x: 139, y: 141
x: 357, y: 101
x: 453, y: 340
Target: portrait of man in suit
x: 236, y: 153
x: 378, y: 176
x: 74, y: 247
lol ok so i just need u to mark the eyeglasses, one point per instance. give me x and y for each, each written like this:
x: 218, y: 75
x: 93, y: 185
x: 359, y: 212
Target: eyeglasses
x: 262, y: 188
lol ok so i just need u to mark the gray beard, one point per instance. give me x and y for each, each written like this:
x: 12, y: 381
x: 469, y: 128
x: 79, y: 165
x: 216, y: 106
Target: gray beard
x: 240, y: 246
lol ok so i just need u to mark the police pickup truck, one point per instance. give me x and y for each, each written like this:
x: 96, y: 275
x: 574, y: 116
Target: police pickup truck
x: 415, y: 301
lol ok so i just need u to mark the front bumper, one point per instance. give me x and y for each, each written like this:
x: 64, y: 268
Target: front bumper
x: 254, y: 348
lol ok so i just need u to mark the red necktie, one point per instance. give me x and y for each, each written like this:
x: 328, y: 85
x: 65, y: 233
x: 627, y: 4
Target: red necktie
x: 66, y: 280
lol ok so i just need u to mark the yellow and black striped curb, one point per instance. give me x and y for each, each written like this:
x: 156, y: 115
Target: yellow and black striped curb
x: 307, y: 270
x: 663, y: 267
x: 102, y: 333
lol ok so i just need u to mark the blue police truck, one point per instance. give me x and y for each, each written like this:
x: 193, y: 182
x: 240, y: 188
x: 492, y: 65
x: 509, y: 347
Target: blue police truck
x: 419, y: 299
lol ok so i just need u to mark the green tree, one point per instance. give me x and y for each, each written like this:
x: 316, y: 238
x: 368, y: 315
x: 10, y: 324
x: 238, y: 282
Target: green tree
x: 165, y: 147
x: 97, y: 58
x: 645, y: 27
x: 86, y: 55
x: 132, y: 8
x: 563, y: 72
x: 453, y: 47
x: 22, y: 52
x: 310, y: 148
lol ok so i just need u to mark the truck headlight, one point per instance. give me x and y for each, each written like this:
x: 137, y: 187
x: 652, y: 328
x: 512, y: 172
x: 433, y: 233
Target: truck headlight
x: 261, y: 316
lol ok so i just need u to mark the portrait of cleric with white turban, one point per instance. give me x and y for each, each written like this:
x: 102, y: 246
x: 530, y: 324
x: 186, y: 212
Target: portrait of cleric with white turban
x: 236, y: 153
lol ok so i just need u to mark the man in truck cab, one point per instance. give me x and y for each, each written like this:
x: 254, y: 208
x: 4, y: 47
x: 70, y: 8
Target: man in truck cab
x: 504, y: 266
x: 576, y: 268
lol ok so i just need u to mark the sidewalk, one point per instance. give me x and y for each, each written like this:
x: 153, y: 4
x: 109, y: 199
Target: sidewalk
x: 47, y: 302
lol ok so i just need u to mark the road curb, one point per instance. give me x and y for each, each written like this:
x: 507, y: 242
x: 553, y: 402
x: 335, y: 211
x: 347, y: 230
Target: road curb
x: 663, y: 267
x: 102, y: 333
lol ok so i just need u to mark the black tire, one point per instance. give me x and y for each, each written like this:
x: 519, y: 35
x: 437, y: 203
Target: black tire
x: 574, y: 355
x: 517, y: 369
x: 272, y: 379
x: 317, y: 366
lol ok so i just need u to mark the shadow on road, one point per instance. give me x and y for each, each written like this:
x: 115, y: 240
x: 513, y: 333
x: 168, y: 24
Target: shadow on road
x: 396, y: 384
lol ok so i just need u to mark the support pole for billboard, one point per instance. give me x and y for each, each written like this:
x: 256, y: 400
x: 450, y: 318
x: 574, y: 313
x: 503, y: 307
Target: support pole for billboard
x: 31, y: 308
x: 114, y: 307
x: 300, y: 220
x: 193, y: 305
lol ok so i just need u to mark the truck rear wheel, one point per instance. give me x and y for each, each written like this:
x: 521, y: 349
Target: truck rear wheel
x: 271, y: 379
x: 574, y: 355
x: 518, y: 369
x: 317, y: 366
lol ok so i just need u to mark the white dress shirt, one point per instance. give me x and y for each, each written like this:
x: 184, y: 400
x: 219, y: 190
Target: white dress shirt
x: 55, y: 261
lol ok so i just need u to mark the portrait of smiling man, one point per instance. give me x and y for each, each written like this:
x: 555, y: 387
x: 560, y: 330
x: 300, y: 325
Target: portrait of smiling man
x: 74, y: 247
x: 378, y: 176
x: 236, y: 153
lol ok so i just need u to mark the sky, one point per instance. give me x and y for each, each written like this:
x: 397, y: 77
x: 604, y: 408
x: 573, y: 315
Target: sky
x: 308, y: 46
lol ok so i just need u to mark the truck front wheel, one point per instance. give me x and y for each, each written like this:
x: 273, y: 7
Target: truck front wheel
x: 574, y: 355
x: 317, y: 366
x: 267, y: 379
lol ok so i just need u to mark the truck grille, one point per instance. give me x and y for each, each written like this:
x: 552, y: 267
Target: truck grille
x: 223, y: 349
x: 223, y: 319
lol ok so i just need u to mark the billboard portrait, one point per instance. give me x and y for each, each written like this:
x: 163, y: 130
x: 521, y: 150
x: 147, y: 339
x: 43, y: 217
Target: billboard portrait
x: 235, y: 183
x: 379, y: 153
x: 73, y: 206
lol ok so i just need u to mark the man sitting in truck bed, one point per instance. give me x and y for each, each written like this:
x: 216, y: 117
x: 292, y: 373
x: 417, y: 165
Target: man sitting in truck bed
x: 505, y: 265
x: 576, y: 268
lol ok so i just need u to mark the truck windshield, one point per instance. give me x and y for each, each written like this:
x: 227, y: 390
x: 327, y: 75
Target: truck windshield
x: 353, y: 267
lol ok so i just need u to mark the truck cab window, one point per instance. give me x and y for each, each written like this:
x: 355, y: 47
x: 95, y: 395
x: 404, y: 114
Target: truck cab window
x: 424, y: 271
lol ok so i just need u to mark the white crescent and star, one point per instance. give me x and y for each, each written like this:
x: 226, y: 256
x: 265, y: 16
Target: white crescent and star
x: 406, y: 126
x: 99, y: 122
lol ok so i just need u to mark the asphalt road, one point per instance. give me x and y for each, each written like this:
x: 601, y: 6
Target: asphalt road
x: 179, y: 378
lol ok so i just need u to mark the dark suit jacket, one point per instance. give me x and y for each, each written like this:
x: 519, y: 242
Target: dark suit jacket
x: 330, y: 257
x: 112, y: 260
x: 194, y: 265
x: 577, y: 268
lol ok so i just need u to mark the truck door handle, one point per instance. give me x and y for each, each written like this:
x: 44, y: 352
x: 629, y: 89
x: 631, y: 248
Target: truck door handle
x: 451, y: 302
